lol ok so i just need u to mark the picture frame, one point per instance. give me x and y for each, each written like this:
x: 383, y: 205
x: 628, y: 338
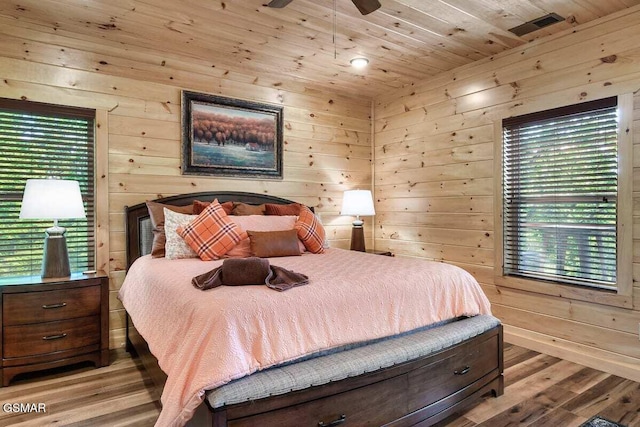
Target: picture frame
x: 230, y: 137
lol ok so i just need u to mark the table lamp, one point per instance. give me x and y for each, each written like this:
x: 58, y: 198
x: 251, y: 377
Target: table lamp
x: 358, y: 203
x: 53, y: 199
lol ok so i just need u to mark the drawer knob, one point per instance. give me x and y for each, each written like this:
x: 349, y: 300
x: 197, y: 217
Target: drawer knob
x: 462, y: 371
x: 54, y: 337
x: 57, y: 305
x: 339, y: 421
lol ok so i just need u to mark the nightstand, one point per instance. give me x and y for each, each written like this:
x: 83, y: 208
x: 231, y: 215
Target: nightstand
x: 47, y: 323
x: 385, y: 253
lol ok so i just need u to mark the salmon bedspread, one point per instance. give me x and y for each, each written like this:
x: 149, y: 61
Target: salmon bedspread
x: 204, y: 339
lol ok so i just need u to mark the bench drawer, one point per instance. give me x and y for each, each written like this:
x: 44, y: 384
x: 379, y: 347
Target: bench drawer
x: 388, y: 400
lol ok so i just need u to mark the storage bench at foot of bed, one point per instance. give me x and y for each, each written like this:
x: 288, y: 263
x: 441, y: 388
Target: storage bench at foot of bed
x: 419, y: 392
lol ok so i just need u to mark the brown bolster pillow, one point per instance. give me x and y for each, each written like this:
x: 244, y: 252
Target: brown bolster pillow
x: 245, y: 271
x: 250, y: 271
x: 265, y: 244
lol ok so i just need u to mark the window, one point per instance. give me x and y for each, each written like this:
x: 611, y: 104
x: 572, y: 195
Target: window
x: 40, y: 141
x: 560, y: 195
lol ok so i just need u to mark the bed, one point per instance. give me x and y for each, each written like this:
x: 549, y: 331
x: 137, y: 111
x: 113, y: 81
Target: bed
x: 413, y: 376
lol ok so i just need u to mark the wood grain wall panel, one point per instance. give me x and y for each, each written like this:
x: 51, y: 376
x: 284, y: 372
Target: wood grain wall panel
x: 143, y: 145
x: 116, y: 221
x: 445, y: 156
x: 450, y: 140
x: 62, y: 46
x: 489, y: 73
x: 424, y: 172
x: 327, y: 135
x: 462, y: 236
x: 45, y: 44
x: 435, y: 177
x: 253, y: 44
x: 310, y: 146
x: 446, y: 205
x: 604, y: 316
x: 482, y: 273
x: 142, y: 34
x: 593, y: 336
x: 437, y: 252
x: 456, y: 187
x: 129, y: 32
x: 455, y: 221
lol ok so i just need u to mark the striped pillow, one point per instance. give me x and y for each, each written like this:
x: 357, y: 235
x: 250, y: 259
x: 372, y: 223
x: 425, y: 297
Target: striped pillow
x: 212, y: 234
x: 310, y: 231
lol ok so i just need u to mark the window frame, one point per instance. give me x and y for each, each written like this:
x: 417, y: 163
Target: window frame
x: 99, y: 190
x: 622, y: 295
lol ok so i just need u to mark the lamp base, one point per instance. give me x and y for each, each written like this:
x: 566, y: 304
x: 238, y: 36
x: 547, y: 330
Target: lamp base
x: 357, y: 238
x: 55, y: 259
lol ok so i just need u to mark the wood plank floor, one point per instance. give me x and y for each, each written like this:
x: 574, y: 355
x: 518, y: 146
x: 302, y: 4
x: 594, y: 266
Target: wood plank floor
x: 540, y: 391
x: 117, y: 395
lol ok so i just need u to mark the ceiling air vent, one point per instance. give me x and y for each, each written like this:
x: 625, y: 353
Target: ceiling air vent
x: 536, y: 24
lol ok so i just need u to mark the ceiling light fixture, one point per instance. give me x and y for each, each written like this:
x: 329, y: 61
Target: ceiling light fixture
x: 359, y: 62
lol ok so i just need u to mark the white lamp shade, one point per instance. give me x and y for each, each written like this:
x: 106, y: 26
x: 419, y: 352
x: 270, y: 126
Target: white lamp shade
x: 52, y: 199
x: 357, y: 202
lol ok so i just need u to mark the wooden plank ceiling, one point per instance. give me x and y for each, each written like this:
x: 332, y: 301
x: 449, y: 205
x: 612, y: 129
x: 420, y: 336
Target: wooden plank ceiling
x: 308, y: 42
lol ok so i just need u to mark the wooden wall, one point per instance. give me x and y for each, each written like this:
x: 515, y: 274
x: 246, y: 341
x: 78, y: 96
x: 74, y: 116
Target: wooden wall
x: 327, y: 135
x: 434, y: 176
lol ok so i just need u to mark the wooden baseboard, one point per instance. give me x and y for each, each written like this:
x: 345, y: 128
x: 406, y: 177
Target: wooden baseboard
x: 613, y: 363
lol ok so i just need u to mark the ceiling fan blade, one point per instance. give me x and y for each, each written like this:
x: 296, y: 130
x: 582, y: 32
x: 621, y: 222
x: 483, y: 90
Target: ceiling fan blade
x: 279, y: 3
x: 366, y: 6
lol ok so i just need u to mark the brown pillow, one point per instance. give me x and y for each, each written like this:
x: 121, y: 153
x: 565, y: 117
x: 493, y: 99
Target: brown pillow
x: 282, y: 210
x: 199, y: 206
x: 265, y: 244
x: 245, y: 209
x: 156, y: 214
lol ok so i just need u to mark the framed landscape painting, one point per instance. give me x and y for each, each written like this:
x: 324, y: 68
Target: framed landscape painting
x: 230, y: 137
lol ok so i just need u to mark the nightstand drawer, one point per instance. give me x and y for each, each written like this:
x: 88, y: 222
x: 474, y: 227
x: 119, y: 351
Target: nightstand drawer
x: 46, y: 306
x: 30, y: 340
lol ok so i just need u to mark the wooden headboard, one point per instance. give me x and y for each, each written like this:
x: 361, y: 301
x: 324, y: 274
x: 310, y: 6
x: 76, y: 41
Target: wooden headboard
x: 139, y: 236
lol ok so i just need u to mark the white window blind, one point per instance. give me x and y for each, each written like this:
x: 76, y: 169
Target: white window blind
x: 560, y: 187
x: 41, y: 141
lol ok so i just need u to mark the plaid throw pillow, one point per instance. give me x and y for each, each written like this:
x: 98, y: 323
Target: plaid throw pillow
x: 310, y: 231
x: 212, y: 234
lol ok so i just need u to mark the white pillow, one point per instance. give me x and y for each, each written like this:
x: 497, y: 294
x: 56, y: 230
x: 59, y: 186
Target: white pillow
x: 176, y: 247
x: 325, y: 244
